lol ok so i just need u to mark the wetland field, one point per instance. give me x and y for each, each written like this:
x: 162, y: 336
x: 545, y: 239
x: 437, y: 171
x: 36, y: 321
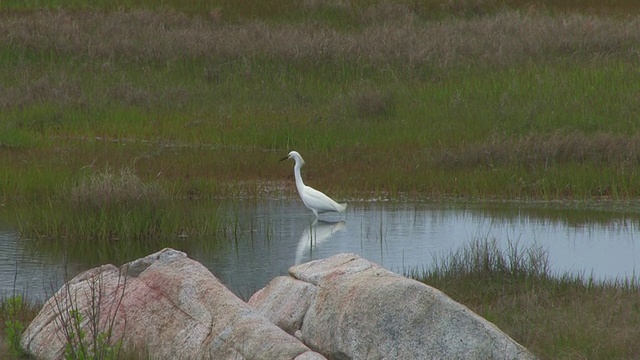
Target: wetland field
x: 130, y: 125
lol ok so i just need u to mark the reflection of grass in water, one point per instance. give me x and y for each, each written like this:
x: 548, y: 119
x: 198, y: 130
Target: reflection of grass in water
x: 118, y: 234
x: 549, y: 314
x: 576, y: 214
x: 241, y: 227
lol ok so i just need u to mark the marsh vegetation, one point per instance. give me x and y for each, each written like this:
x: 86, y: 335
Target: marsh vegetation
x: 116, y: 114
x: 558, y: 317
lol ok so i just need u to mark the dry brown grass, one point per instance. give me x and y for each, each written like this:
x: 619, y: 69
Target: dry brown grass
x: 507, y: 37
x: 373, y: 103
x: 42, y: 88
x: 574, y: 321
x: 62, y: 90
x: 557, y: 317
x: 105, y: 188
x: 547, y: 149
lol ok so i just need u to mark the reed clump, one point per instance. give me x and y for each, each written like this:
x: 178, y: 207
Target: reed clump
x: 373, y: 104
x: 106, y: 189
x: 112, y: 216
x: 105, y: 215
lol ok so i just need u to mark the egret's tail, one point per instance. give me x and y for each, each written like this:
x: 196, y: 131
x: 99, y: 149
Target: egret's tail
x: 342, y: 207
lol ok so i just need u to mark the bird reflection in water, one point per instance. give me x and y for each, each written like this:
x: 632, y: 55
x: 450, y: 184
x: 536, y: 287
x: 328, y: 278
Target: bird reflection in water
x: 314, y: 236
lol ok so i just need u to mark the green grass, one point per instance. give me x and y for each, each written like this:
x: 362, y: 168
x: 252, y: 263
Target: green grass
x: 15, y: 315
x: 419, y: 134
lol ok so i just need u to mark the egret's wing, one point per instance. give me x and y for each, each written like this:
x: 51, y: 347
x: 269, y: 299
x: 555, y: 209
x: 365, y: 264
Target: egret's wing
x: 319, y: 201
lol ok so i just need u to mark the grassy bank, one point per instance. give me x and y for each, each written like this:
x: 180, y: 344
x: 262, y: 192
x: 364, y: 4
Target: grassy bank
x: 507, y: 104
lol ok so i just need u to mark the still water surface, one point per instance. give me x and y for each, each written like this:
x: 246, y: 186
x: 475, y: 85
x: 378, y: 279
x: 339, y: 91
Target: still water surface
x: 270, y: 236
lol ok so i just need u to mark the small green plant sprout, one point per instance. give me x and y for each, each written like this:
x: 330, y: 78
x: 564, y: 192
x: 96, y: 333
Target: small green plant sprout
x: 14, y: 327
x: 80, y: 347
x: 83, y: 326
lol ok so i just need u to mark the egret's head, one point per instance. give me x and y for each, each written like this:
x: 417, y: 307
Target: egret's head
x: 295, y: 156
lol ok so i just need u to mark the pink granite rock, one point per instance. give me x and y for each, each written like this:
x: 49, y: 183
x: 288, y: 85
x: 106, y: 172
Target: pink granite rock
x: 348, y: 307
x: 165, y: 304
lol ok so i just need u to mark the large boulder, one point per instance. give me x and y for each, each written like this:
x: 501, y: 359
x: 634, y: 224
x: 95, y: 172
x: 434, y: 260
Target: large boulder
x: 165, y: 304
x: 346, y: 307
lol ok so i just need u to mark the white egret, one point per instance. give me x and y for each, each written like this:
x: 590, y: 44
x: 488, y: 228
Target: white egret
x: 315, y: 200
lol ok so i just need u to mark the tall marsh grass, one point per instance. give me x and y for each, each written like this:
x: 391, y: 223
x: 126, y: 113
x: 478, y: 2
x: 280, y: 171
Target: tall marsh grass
x: 557, y: 316
x: 115, y: 216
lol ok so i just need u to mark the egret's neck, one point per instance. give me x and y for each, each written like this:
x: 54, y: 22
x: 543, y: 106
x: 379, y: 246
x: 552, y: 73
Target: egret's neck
x: 299, y: 182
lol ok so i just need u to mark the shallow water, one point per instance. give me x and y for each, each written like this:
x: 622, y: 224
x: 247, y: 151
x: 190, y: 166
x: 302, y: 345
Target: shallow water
x: 270, y: 236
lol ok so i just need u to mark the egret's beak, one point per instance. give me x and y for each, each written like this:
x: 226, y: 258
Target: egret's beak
x: 284, y: 158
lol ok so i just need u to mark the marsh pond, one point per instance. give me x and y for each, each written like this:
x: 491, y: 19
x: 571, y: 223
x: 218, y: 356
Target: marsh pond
x: 264, y: 238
